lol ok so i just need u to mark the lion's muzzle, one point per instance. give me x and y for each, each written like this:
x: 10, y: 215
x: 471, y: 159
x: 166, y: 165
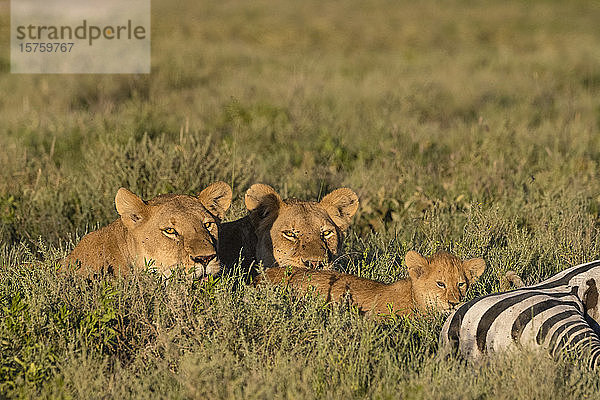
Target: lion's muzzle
x: 206, y: 265
x: 203, y: 260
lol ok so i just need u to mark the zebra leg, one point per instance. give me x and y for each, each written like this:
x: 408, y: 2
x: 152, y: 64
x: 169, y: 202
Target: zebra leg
x: 576, y: 337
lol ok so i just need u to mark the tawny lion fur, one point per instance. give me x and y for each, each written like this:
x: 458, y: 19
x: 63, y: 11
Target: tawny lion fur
x: 288, y: 232
x: 437, y: 283
x: 168, y: 230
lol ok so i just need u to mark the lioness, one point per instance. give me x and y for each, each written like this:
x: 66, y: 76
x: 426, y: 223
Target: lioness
x: 170, y: 229
x: 288, y: 232
x: 438, y: 283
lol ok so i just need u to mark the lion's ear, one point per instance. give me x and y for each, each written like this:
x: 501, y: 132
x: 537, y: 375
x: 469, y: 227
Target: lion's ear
x: 130, y: 207
x: 216, y: 198
x: 416, y: 263
x: 474, y: 268
x: 341, y: 205
x: 262, y: 200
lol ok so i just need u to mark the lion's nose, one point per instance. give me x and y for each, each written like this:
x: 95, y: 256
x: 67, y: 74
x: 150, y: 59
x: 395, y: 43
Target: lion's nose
x: 314, y: 263
x: 204, y: 260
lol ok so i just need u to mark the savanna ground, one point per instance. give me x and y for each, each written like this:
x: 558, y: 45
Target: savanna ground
x: 471, y: 126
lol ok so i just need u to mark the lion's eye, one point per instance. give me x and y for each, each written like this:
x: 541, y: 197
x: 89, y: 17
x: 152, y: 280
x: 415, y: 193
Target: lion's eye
x: 461, y: 284
x: 209, y: 225
x: 441, y: 284
x: 170, y: 231
x: 290, y: 235
x: 328, y: 233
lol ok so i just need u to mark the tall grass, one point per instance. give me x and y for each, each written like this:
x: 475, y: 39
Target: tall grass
x: 468, y: 126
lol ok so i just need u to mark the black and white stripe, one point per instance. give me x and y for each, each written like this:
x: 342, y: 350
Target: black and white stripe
x: 561, y: 313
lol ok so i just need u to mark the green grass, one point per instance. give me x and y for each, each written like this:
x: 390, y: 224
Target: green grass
x: 470, y: 126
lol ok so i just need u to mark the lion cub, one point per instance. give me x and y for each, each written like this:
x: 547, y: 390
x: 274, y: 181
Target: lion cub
x: 437, y: 283
x: 170, y: 229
